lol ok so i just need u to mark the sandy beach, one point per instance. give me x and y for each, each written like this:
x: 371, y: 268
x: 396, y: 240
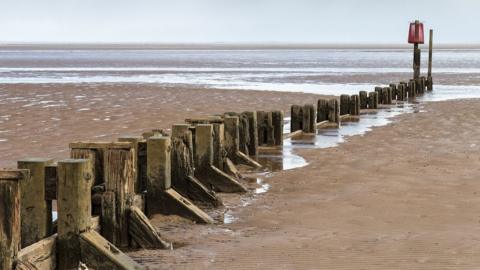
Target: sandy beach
x: 402, y: 196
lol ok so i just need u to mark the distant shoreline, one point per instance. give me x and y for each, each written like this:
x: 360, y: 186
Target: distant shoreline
x: 215, y: 46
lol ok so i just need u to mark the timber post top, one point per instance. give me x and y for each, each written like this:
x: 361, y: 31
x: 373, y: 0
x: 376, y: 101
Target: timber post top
x: 101, y: 145
x: 73, y: 160
x: 13, y: 174
x: 35, y: 159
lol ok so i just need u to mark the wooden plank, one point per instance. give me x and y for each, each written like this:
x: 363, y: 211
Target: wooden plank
x: 97, y: 253
x: 295, y: 133
x: 208, y: 120
x: 143, y: 232
x: 12, y: 174
x: 179, y: 205
x: 100, y: 145
x: 41, y: 255
x: 322, y: 123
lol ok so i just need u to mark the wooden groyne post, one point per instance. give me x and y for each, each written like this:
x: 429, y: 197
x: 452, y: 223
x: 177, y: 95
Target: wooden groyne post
x: 10, y: 220
x: 206, y: 172
x: 373, y: 100
x: 183, y: 179
x: 74, y: 207
x: 344, y: 104
x: 35, y: 209
x: 430, y: 52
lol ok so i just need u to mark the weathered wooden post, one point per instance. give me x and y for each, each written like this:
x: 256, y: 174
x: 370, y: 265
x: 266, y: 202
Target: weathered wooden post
x: 182, y: 167
x: 244, y: 135
x: 373, y: 100
x: 322, y: 110
x: 430, y: 51
x: 354, y: 105
x: 219, y: 153
x: 252, y: 132
x: 139, y: 161
x: 363, y: 99
x: 412, y: 90
x: 308, y: 121
x: 161, y: 198
x: 119, y: 170
x: 423, y: 84
x: 265, y: 128
x: 158, y: 171
x: 206, y: 172
x: 36, y: 211
x: 379, y: 91
x: 94, y: 153
x: 401, y: 92
x: 74, y: 208
x: 394, y: 91
x: 387, y: 95
x: 333, y: 111
x: 344, y: 104
x: 10, y: 220
x: 296, y: 118
x: 277, y: 119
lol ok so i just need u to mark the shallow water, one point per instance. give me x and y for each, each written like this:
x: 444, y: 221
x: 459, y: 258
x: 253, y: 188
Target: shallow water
x: 320, y: 71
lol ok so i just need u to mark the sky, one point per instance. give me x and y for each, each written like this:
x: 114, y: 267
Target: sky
x: 239, y: 21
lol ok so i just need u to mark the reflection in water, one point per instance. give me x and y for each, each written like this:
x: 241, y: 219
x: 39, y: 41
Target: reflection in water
x: 280, y: 158
x: 283, y: 158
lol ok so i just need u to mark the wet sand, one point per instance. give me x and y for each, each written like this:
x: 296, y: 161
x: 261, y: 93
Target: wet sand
x: 404, y: 196
x: 40, y: 120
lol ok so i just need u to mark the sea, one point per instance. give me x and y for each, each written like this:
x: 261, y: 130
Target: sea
x: 456, y: 72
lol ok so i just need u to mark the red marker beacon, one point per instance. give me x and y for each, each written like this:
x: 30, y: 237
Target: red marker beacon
x: 415, y: 35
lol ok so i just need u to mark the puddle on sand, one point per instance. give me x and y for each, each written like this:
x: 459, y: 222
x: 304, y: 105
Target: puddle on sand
x: 283, y: 157
x: 331, y: 137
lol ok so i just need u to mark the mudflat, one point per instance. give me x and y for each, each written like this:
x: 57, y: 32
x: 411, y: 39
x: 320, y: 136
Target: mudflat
x: 40, y: 120
x: 403, y: 196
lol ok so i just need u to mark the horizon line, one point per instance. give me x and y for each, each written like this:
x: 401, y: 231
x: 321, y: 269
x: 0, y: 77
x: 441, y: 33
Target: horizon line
x: 225, y: 45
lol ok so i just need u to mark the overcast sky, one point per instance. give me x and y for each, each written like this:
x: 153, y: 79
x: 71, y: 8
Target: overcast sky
x: 239, y: 21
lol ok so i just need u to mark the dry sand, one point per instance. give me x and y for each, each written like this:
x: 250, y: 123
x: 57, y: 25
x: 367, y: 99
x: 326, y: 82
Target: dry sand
x: 404, y: 196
